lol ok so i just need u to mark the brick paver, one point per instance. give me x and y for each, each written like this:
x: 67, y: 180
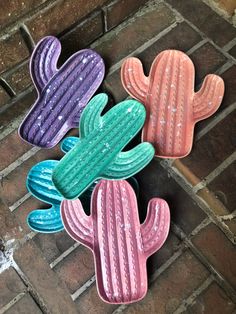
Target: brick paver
x: 194, y: 272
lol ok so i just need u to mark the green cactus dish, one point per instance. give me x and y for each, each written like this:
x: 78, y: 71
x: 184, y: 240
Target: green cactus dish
x: 98, y: 153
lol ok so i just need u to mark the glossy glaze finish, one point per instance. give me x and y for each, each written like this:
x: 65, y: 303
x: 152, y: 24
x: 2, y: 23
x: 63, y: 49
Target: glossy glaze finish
x: 119, y: 243
x: 171, y: 104
x: 62, y: 93
x: 98, y: 153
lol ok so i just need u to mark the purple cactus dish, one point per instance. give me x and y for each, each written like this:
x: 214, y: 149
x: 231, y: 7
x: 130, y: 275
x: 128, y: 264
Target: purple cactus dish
x: 62, y: 92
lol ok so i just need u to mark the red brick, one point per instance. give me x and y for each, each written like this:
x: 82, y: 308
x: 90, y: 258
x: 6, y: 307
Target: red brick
x: 4, y: 97
x: 13, y: 185
x: 43, y: 280
x: 172, y: 286
x: 10, y: 286
x: 207, y: 59
x: 61, y: 16
x: 155, y: 261
x: 18, y: 107
x: 224, y: 187
x: 219, y: 251
x: 204, y: 18
x: 25, y: 305
x: 11, y: 10
x: 213, y: 148
x: 12, y: 147
x: 90, y: 302
x: 182, y: 37
x: 9, y: 227
x: 82, y: 35
x: 12, y: 51
x: 76, y: 268
x: 229, y: 78
x: 53, y: 245
x: 212, y: 298
x: 154, y: 181
x: 117, y: 44
x: 119, y: 10
x: 19, y: 79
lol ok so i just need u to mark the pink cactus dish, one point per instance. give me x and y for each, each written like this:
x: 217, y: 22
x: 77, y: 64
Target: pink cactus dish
x: 120, y: 244
x: 171, y: 104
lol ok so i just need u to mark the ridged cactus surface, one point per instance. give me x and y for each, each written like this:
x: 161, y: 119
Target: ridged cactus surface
x: 119, y: 243
x: 62, y: 93
x: 98, y: 153
x: 171, y: 104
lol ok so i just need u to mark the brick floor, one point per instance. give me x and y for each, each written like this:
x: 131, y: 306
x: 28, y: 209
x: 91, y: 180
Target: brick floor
x: 194, y: 272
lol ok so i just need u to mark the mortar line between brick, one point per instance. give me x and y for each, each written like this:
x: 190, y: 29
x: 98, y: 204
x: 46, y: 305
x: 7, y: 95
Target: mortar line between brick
x: 156, y: 274
x: 19, y: 202
x: 230, y: 44
x: 12, y: 127
x: 225, y: 53
x: 182, y: 181
x: 197, y: 46
x: 64, y: 255
x: 228, y: 64
x: 189, y: 300
x: 216, y: 274
x: 141, y: 48
x: 11, y: 28
x: 227, y: 162
x: 215, y: 121
x: 31, y: 289
x: 13, y: 100
x: 19, y: 161
x: 82, y: 289
x: 12, y: 302
x: 217, y: 171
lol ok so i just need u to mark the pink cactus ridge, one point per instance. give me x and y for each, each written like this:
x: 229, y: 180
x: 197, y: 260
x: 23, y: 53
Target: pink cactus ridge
x: 171, y: 104
x: 119, y: 243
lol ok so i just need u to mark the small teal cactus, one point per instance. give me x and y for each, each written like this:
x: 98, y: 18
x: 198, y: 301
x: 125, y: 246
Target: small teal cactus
x: 98, y: 154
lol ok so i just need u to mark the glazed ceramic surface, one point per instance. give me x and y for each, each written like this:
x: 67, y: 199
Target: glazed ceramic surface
x: 119, y: 243
x: 171, y: 104
x: 98, y: 153
x: 62, y: 93
x: 39, y: 184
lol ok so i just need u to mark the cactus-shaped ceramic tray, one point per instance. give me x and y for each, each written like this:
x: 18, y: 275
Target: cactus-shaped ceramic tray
x: 98, y: 153
x: 171, y: 104
x: 62, y: 93
x: 39, y: 184
x: 119, y: 243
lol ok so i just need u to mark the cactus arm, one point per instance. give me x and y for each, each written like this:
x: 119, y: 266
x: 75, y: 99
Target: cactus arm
x: 78, y: 225
x: 208, y: 99
x: 155, y: 228
x: 130, y: 162
x: 91, y: 116
x: 46, y: 220
x: 43, y: 62
x: 39, y: 182
x: 68, y: 143
x: 133, y: 79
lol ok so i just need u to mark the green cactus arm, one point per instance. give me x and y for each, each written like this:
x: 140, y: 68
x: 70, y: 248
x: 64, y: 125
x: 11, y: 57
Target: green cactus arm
x: 91, y: 116
x: 133, y: 79
x: 208, y: 99
x: 155, y: 228
x: 130, y: 162
x: 78, y: 225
